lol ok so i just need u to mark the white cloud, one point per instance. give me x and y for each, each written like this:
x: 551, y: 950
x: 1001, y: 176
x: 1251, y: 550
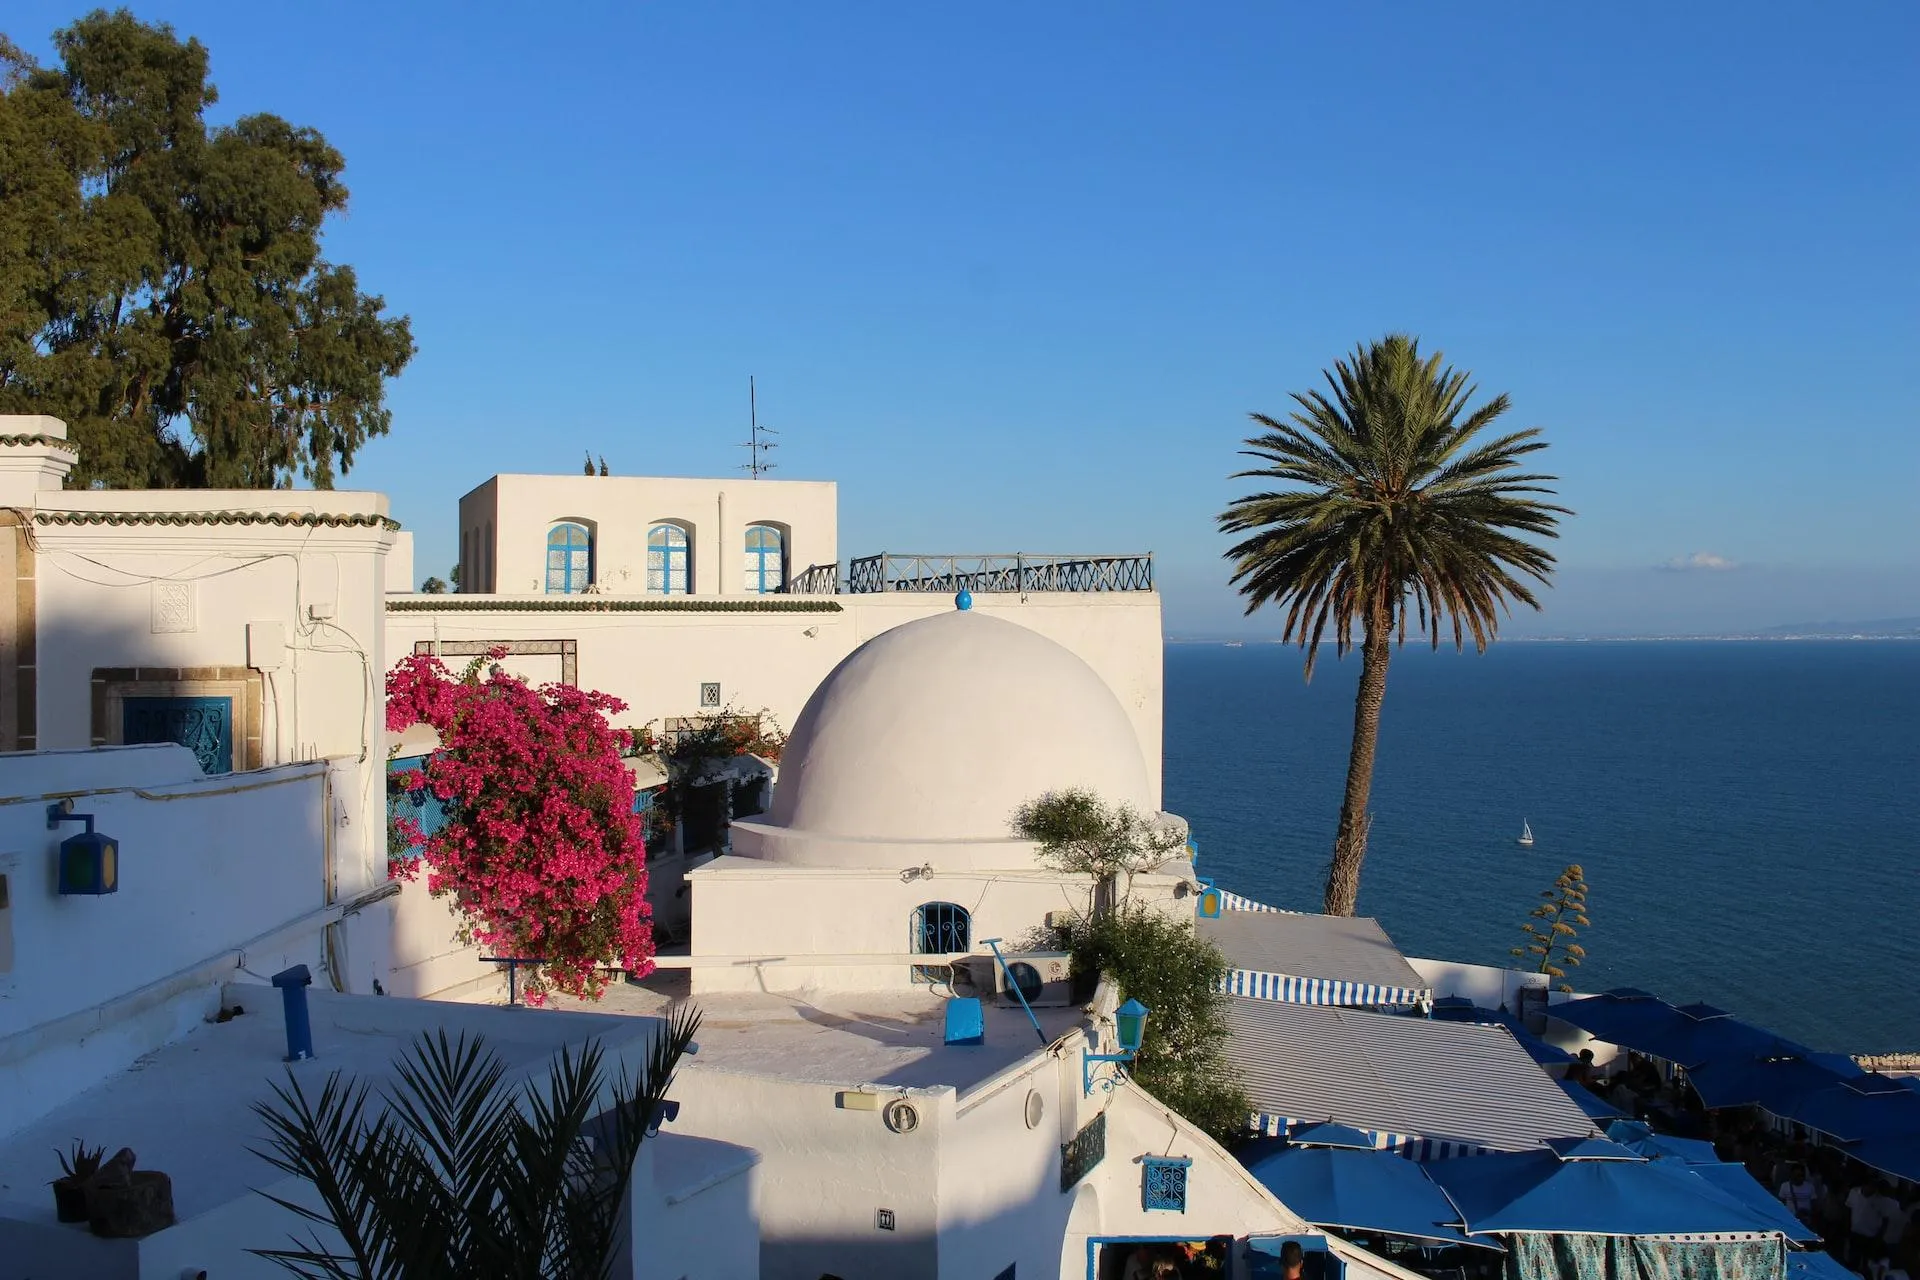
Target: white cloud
x: 1704, y: 561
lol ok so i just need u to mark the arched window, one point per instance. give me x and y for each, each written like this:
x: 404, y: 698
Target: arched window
x: 939, y: 928
x: 766, y: 559
x: 669, y: 560
x: 569, y: 559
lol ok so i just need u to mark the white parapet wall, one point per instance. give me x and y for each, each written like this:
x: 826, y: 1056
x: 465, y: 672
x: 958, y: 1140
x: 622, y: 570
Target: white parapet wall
x: 218, y: 879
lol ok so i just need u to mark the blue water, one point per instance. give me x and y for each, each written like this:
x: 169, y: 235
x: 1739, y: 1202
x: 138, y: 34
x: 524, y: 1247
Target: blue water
x: 1747, y: 814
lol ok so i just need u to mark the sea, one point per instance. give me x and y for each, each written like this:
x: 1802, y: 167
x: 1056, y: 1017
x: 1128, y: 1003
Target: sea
x: 1747, y: 813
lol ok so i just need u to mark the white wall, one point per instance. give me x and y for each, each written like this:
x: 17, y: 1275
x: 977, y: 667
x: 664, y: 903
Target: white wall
x: 1487, y: 986
x: 205, y: 866
x: 657, y: 661
x: 825, y: 1172
x: 695, y: 1210
x: 746, y: 908
x: 100, y: 589
x: 618, y: 510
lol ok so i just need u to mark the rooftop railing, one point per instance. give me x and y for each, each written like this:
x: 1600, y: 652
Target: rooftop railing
x: 1009, y: 573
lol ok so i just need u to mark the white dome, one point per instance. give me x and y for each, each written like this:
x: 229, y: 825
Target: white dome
x: 933, y: 733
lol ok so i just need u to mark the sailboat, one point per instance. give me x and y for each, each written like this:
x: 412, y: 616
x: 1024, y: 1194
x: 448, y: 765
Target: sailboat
x: 1526, y: 834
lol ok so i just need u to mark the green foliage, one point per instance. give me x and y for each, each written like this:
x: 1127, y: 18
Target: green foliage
x: 161, y: 283
x: 1077, y: 831
x: 1389, y: 515
x: 81, y: 1163
x: 1164, y: 965
x: 1551, y: 944
x: 434, y: 587
x: 453, y: 576
x: 449, y: 1173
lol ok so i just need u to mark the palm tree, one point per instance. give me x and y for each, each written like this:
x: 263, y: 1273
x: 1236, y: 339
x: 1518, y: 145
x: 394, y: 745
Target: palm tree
x: 1394, y: 518
x: 451, y: 1173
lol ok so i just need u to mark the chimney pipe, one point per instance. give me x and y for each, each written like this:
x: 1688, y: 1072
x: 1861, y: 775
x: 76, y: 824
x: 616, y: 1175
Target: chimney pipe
x: 293, y: 984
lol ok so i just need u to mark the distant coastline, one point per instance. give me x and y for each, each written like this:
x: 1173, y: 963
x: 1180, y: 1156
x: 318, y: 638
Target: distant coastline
x: 1743, y: 636
x: 1877, y: 629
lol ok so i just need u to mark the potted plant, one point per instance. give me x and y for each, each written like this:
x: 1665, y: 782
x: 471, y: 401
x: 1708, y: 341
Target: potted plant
x: 70, y: 1188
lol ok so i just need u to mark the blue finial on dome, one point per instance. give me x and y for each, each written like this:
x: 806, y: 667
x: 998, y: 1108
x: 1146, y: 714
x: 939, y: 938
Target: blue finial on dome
x: 964, y: 600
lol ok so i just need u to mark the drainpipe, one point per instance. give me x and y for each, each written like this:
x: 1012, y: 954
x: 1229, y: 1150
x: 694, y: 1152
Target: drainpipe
x: 717, y: 556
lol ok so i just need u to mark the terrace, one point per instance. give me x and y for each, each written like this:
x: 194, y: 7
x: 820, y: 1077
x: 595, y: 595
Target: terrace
x: 1008, y: 573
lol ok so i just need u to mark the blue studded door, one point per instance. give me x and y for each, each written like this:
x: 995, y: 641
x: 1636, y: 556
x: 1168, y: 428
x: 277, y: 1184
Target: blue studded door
x: 202, y: 725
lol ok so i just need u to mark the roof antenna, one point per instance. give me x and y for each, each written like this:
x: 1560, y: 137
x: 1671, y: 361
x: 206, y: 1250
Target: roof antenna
x: 756, y: 464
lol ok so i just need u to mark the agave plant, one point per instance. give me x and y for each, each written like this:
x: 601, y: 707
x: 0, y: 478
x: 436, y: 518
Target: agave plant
x: 82, y: 1163
x: 449, y: 1173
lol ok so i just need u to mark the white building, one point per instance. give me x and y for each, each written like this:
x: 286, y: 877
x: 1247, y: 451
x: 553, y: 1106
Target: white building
x: 892, y: 1141
x: 750, y: 614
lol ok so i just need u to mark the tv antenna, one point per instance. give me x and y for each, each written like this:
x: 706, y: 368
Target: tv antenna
x: 756, y: 464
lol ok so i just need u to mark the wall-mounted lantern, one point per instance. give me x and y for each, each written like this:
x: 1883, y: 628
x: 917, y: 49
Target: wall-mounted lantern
x: 1209, y: 899
x: 1130, y: 1029
x: 89, y: 862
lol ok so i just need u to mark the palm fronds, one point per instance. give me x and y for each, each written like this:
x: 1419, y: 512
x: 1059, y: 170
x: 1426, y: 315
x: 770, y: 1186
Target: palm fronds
x: 451, y: 1173
x: 1392, y: 513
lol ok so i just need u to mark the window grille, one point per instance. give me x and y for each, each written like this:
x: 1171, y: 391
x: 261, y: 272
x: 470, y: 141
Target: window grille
x: 1163, y: 1183
x: 939, y: 928
x: 1088, y: 1148
x: 202, y: 725
x: 669, y: 561
x: 766, y: 565
x: 569, y: 559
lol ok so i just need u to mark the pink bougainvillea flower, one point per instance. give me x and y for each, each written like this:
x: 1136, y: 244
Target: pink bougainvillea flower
x: 541, y: 852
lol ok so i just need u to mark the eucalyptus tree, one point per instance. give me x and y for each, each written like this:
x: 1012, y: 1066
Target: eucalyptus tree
x: 1390, y: 513
x: 162, y: 287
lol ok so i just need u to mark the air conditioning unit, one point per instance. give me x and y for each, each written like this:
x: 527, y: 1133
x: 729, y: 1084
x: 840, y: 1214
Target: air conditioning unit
x: 1045, y: 978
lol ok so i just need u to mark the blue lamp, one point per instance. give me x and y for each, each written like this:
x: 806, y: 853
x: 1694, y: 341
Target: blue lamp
x: 89, y: 862
x: 1209, y: 899
x: 964, y: 600
x: 1129, y: 1028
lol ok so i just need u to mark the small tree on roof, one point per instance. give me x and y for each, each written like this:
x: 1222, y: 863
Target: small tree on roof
x: 1562, y: 915
x: 1078, y: 831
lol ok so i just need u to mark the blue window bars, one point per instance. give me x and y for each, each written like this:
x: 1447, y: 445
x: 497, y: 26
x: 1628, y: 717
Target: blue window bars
x: 766, y: 559
x: 569, y: 559
x: 669, y: 561
x: 939, y: 928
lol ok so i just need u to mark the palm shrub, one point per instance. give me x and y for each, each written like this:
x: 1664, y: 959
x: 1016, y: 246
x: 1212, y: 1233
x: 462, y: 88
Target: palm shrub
x: 1392, y: 516
x: 1178, y: 975
x: 450, y: 1173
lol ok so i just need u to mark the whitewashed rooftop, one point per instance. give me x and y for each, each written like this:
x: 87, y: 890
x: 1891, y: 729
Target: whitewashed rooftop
x: 851, y: 1039
x: 186, y: 1109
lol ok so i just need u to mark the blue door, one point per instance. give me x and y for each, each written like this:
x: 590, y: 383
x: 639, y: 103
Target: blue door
x: 202, y: 725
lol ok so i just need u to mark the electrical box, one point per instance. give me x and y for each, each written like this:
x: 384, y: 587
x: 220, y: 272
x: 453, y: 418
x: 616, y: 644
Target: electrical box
x: 266, y: 645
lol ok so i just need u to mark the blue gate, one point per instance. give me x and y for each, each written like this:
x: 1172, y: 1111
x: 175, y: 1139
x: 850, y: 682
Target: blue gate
x: 202, y: 725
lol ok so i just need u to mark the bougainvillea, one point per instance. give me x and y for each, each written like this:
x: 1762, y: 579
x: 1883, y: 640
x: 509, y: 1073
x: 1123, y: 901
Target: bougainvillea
x: 541, y: 852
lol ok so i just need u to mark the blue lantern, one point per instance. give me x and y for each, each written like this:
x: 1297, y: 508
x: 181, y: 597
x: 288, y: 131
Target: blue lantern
x: 1210, y: 904
x: 1130, y: 1025
x: 964, y: 600
x: 89, y: 862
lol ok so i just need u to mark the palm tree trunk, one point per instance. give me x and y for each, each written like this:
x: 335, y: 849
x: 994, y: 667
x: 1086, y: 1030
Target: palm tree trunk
x: 1350, y: 844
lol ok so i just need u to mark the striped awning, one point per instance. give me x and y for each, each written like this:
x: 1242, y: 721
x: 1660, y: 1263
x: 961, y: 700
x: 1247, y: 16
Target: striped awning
x: 1292, y: 990
x: 1410, y: 1145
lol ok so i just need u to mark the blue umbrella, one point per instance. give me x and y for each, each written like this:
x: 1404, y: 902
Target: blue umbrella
x: 1816, y: 1266
x: 1338, y: 1187
x: 1688, y: 1036
x: 1778, y: 1076
x: 1641, y: 1139
x: 1329, y: 1134
x: 1733, y: 1180
x: 1590, y: 1103
x: 1592, y: 1188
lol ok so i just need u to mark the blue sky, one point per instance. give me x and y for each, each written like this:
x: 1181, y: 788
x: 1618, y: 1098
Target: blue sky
x: 1014, y: 274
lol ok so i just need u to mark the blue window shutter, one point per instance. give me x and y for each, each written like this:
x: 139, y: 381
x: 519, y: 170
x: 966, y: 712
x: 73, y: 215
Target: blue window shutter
x: 202, y: 725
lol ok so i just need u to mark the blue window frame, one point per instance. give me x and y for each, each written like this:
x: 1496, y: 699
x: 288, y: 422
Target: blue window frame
x: 420, y: 804
x: 569, y: 559
x: 202, y: 725
x: 669, y: 561
x: 766, y: 559
x: 1163, y: 1183
x: 939, y: 928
